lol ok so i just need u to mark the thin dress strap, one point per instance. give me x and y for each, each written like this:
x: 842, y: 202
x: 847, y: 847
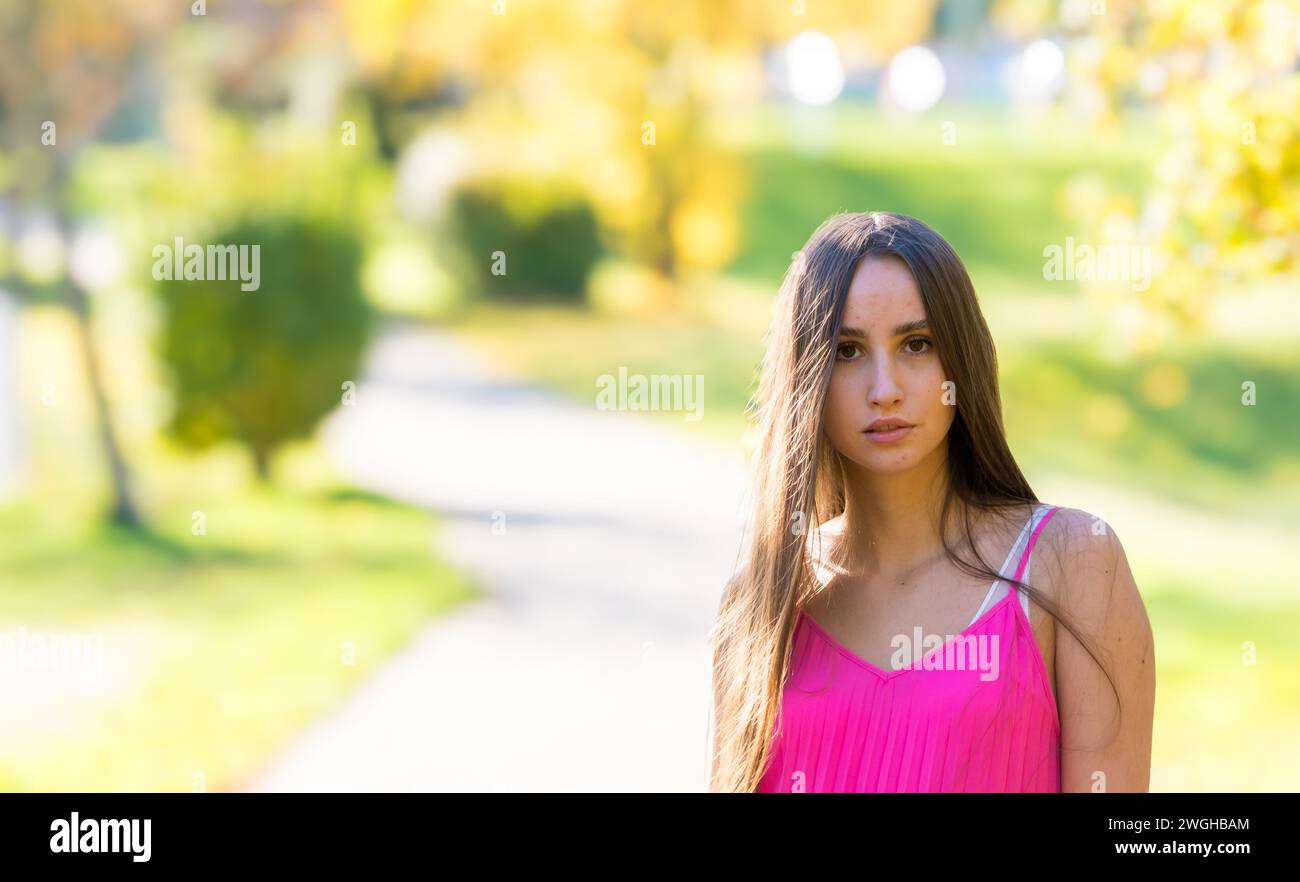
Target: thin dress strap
x: 1016, y: 549
x: 1033, y: 537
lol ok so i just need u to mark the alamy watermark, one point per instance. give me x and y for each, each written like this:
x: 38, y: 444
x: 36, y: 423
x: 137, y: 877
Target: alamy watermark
x: 193, y: 261
x: 672, y: 392
x: 40, y: 651
x: 1102, y: 263
x: 76, y: 834
x: 965, y: 652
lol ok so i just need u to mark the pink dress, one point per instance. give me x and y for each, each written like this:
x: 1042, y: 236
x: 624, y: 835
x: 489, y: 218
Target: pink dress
x: 974, y: 714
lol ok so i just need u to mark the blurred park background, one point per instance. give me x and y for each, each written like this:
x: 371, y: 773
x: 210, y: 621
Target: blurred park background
x: 259, y: 512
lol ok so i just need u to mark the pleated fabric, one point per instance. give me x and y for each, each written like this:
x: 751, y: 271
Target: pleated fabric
x: 973, y: 715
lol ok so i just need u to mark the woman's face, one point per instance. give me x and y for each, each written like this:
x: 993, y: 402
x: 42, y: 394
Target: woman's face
x: 886, y: 367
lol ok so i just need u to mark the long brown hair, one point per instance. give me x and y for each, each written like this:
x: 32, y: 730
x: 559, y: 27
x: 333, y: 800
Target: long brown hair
x: 797, y: 478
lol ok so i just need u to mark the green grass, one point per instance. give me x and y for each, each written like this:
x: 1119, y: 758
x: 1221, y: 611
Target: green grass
x: 993, y: 194
x: 220, y: 647
x: 1226, y: 719
x: 998, y: 220
x: 1066, y: 405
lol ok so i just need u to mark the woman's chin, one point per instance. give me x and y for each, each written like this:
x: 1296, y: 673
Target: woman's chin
x: 878, y: 463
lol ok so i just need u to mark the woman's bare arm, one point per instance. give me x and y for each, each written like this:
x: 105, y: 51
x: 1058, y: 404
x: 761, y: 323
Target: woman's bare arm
x: 1102, y: 749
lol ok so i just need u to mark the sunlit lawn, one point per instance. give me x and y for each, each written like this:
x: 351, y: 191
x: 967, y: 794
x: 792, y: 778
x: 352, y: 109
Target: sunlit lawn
x: 224, y: 635
x: 1200, y: 487
x: 220, y: 647
x: 995, y: 193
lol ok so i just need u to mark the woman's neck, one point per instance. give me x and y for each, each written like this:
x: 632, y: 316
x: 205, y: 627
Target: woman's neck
x: 891, y: 522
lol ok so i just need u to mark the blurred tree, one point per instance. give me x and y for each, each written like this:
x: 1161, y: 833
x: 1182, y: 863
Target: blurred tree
x: 1223, y: 202
x: 66, y: 70
x: 617, y: 95
x: 264, y: 366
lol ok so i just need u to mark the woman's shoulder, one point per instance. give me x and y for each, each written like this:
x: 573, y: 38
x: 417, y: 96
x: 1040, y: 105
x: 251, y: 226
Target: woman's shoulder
x: 1078, y: 532
x: 1092, y: 584
x: 1078, y: 548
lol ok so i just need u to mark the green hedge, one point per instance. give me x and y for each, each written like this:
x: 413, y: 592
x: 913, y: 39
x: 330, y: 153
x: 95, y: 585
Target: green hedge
x: 550, y: 243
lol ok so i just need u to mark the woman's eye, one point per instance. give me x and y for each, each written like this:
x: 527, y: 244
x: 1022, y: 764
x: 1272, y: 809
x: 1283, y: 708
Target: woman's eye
x: 925, y: 345
x: 851, y: 347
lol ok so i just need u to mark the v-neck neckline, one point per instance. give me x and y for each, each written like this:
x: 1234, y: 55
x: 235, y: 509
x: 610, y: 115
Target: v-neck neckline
x: 916, y: 665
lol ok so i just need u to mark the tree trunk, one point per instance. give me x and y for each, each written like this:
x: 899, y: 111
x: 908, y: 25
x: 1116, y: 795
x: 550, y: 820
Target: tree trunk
x: 261, y: 464
x: 122, y: 511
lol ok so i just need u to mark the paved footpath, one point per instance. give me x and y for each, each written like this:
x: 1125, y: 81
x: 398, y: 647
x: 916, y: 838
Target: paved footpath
x: 587, y: 666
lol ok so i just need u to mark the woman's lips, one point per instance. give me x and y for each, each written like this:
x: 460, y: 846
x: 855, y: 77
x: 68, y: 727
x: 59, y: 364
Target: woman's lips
x: 887, y: 435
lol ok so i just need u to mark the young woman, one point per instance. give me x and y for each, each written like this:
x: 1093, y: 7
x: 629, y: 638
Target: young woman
x: 846, y: 657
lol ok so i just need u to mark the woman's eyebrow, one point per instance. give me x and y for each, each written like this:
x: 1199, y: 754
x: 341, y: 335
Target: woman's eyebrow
x: 899, y: 331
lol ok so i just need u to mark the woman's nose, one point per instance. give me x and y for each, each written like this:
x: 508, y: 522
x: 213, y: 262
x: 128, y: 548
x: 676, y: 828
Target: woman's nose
x: 885, y: 390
